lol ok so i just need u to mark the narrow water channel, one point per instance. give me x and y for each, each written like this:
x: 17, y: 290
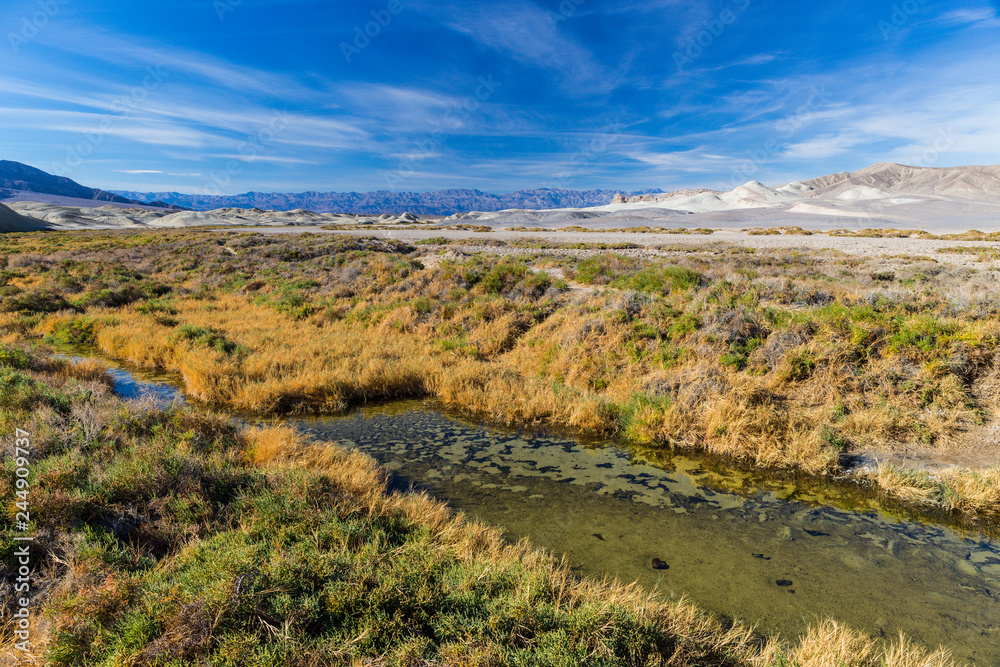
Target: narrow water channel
x: 766, y: 557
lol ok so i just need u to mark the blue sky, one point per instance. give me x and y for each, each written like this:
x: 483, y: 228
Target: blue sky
x: 228, y: 96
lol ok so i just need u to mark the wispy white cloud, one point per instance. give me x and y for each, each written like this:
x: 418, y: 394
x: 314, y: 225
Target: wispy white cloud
x: 185, y: 117
x: 262, y: 158
x: 979, y: 16
x: 530, y: 35
x: 697, y: 160
x: 174, y: 61
x: 631, y: 7
x: 758, y: 59
x: 96, y: 128
x: 821, y: 147
x: 417, y: 156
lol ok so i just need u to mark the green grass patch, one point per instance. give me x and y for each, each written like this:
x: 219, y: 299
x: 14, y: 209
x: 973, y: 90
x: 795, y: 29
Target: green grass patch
x: 76, y: 331
x: 202, y: 337
x: 640, y: 413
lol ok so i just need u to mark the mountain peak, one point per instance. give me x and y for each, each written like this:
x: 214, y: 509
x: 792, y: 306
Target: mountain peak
x: 19, y: 177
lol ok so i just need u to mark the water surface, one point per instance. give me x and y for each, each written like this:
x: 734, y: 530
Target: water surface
x: 778, y: 555
x: 777, y: 564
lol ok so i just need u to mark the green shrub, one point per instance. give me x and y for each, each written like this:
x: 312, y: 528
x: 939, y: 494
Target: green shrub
x: 6, y: 276
x: 290, y: 302
x: 800, y: 367
x: 202, y: 337
x: 924, y: 333
x: 13, y: 358
x: 834, y: 438
x: 739, y: 353
x: 155, y: 306
x: 639, y: 411
x: 123, y: 294
x: 683, y: 326
x: 422, y: 305
x: 22, y: 392
x: 34, y: 301
x: 503, y: 277
x: 658, y: 280
x: 78, y: 331
x: 604, y: 269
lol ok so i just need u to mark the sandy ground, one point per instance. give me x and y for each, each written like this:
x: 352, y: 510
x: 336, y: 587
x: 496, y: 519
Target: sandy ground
x: 660, y: 244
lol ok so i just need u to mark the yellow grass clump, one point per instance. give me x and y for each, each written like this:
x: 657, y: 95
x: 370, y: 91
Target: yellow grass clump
x: 967, y: 491
x: 831, y: 645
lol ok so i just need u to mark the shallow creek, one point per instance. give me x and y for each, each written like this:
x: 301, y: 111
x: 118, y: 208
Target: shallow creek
x: 776, y: 555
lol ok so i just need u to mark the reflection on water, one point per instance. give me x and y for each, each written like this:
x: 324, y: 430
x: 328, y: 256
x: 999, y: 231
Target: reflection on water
x: 776, y: 563
x: 130, y: 387
x: 763, y: 555
x: 131, y: 383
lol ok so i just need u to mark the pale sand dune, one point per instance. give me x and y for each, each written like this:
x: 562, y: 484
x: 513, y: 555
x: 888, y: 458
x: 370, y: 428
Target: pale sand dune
x: 862, y: 193
x: 57, y: 216
x: 11, y: 221
x: 883, y: 195
x: 814, y: 209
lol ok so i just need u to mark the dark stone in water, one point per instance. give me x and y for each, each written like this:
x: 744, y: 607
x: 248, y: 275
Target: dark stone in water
x: 783, y: 582
x: 761, y: 556
x: 817, y: 533
x: 660, y: 565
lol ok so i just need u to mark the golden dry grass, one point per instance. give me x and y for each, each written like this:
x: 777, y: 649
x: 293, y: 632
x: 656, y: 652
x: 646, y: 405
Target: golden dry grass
x: 290, y: 364
x: 283, y: 446
x: 967, y: 491
x: 559, y: 372
x: 831, y: 645
x: 781, y: 358
x: 87, y: 370
x: 975, y: 490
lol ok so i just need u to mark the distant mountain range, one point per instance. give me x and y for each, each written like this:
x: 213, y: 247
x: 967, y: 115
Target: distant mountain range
x: 879, y: 195
x: 885, y: 195
x: 442, y: 202
x: 884, y: 181
x: 16, y: 178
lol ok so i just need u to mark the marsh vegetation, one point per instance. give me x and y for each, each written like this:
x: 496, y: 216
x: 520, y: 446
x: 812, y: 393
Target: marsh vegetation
x: 175, y: 537
x: 782, y: 358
